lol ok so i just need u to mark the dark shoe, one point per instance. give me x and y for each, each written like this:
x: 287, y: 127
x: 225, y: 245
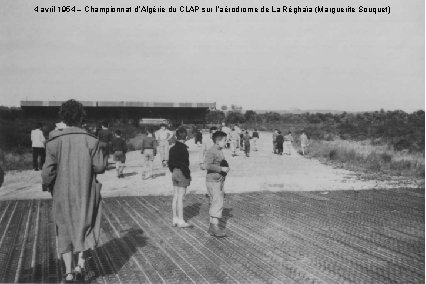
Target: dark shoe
x: 215, y: 231
x: 36, y: 170
x: 79, y: 273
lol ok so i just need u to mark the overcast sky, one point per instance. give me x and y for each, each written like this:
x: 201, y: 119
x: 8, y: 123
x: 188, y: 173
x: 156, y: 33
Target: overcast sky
x: 261, y: 61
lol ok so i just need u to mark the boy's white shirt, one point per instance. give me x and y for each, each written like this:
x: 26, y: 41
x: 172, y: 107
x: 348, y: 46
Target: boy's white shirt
x: 37, y: 138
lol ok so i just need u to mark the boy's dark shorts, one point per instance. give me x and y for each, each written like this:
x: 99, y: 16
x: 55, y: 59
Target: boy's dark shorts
x: 179, y: 179
x: 119, y: 156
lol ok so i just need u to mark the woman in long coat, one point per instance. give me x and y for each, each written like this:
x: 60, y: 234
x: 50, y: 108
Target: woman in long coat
x: 73, y: 158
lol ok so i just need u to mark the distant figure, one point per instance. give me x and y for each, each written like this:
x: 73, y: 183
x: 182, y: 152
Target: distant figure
x: 255, y: 138
x: 207, y: 144
x: 163, y: 135
x: 217, y: 169
x: 198, y: 139
x: 227, y: 131
x: 274, y: 141
x: 234, y: 138
x: 38, y: 144
x: 288, y: 140
x: 149, y: 151
x: 105, y: 138
x: 246, y: 142
x: 280, y: 141
x: 303, y: 142
x: 181, y: 176
x: 73, y: 160
x: 119, y: 149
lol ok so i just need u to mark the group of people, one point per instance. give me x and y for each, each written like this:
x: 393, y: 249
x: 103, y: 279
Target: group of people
x: 237, y: 138
x: 74, y: 158
x: 283, y: 144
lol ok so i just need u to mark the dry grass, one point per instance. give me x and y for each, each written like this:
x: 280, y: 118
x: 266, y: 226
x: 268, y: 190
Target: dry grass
x: 16, y: 160
x: 369, y: 158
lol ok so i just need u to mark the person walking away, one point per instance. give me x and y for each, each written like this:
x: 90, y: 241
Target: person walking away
x: 105, y: 137
x: 246, y: 141
x: 207, y: 144
x: 280, y: 142
x: 217, y: 169
x: 255, y: 139
x: 163, y: 135
x: 181, y: 176
x: 149, y: 151
x: 235, y: 141
x: 288, y: 140
x: 274, y: 141
x: 73, y: 160
x: 119, y: 149
x: 198, y: 140
x: 38, y: 144
x: 303, y: 142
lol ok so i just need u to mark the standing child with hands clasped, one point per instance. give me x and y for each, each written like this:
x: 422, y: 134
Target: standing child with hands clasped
x: 217, y: 169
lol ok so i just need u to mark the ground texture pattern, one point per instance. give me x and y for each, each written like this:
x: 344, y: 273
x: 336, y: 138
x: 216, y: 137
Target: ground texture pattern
x: 371, y: 236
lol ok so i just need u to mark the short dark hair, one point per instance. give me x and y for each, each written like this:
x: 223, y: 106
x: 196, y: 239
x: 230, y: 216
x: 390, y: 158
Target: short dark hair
x: 181, y: 133
x: 72, y: 113
x: 163, y: 124
x: 105, y: 123
x: 150, y: 130
x: 213, y: 128
x: 39, y: 125
x: 218, y: 135
x: 255, y: 129
x: 118, y: 132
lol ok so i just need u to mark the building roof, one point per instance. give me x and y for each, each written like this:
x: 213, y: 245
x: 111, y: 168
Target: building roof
x: 120, y: 104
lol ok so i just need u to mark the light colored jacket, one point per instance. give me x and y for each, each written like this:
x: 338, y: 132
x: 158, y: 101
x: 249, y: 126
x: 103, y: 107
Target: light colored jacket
x: 214, y: 157
x: 37, y: 138
x: 73, y: 158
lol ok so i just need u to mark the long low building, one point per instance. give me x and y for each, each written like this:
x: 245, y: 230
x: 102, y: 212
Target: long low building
x: 136, y: 110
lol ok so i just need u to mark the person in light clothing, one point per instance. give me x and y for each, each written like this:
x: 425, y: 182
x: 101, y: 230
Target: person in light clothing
x: 288, y: 140
x: 163, y: 135
x: 207, y: 144
x: 255, y: 138
x: 149, y: 151
x: 73, y: 160
x: 234, y: 137
x: 303, y: 142
x: 38, y: 144
x: 217, y: 169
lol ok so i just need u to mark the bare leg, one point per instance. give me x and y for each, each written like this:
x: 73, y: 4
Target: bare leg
x: 174, y: 202
x: 67, y: 257
x: 179, y: 210
x: 81, y: 259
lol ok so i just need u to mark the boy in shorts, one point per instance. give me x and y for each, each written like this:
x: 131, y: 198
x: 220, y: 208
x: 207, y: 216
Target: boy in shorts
x: 149, y: 151
x: 217, y: 169
x: 119, y: 148
x: 181, y: 176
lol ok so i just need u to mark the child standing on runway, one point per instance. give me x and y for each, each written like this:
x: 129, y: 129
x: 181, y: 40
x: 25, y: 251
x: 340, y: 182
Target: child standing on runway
x: 181, y: 176
x: 119, y: 148
x: 217, y: 169
x: 149, y: 151
x: 246, y: 140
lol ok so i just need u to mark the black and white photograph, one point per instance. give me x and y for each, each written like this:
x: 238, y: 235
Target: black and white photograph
x: 247, y: 142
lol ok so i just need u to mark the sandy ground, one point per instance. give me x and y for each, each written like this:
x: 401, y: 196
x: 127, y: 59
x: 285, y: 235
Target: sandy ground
x: 262, y: 171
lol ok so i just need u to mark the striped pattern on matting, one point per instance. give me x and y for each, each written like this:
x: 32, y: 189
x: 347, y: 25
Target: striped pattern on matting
x: 304, y: 237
